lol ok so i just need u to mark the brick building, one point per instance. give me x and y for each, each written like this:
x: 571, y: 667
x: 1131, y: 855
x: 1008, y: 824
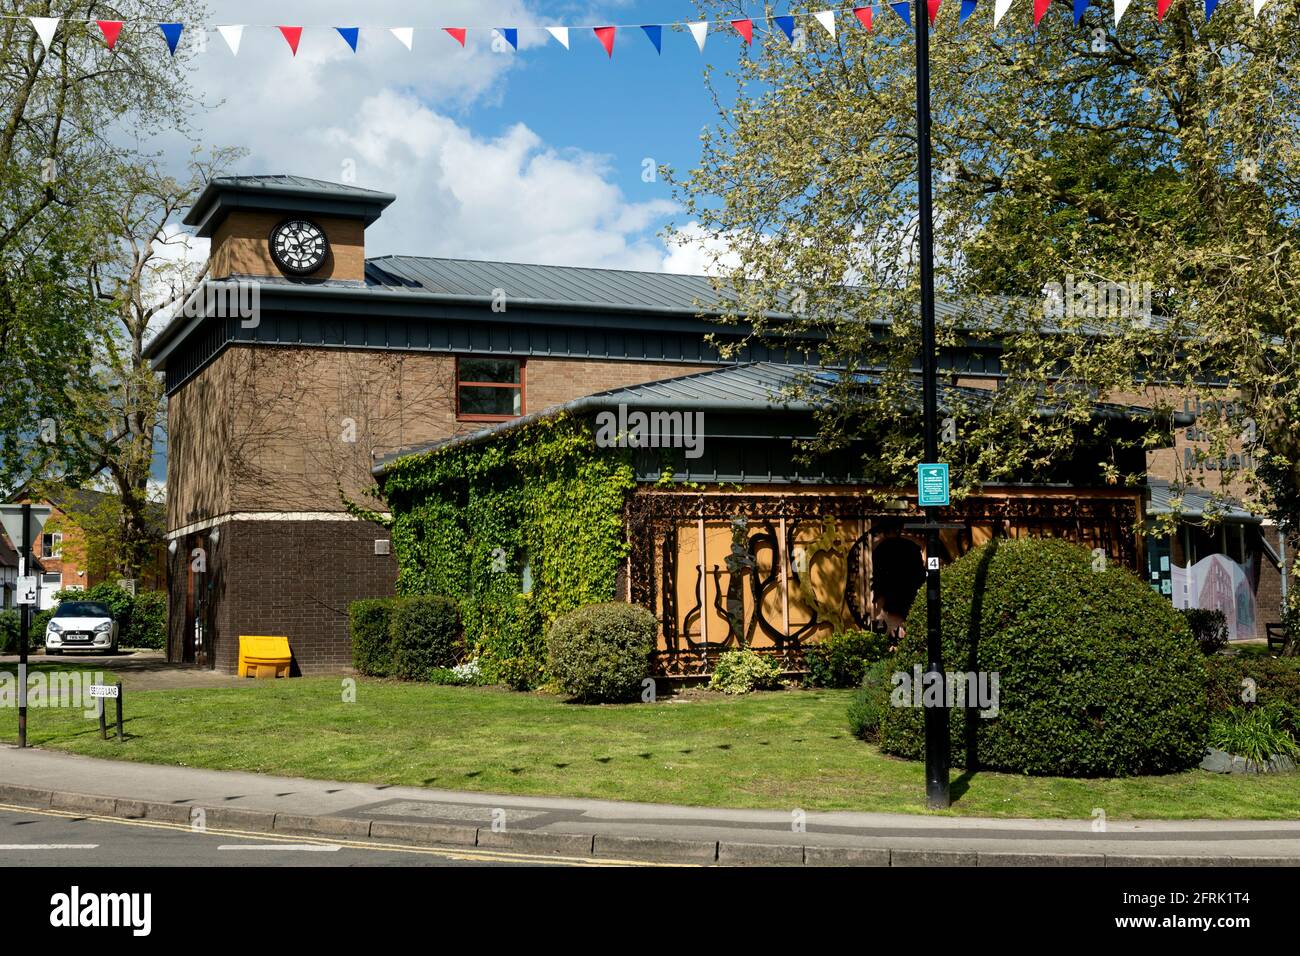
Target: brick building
x: 299, y: 363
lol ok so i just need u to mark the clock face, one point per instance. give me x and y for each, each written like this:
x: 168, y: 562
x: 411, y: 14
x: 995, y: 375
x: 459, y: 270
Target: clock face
x: 298, y: 246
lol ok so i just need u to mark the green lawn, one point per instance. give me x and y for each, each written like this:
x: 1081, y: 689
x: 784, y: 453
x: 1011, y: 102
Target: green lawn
x: 777, y: 750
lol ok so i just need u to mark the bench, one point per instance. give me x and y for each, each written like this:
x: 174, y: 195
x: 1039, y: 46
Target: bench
x: 262, y: 656
x: 1276, y: 635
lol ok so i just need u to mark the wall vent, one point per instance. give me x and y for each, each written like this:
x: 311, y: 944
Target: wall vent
x: 382, y: 546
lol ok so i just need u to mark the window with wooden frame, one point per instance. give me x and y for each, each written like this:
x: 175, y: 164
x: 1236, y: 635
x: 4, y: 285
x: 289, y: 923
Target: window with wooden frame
x: 489, y: 389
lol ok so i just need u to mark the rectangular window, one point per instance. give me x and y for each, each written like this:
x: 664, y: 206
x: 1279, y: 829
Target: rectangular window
x: 489, y: 389
x: 51, y: 545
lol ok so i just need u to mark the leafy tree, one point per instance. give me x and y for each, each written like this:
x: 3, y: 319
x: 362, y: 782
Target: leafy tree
x: 1164, y: 154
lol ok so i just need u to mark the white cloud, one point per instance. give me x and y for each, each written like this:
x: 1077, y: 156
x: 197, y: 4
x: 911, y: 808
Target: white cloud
x: 694, y: 251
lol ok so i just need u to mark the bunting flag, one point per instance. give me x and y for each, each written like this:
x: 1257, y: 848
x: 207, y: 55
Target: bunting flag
x: 606, y: 37
x: 1162, y: 7
x: 1040, y: 7
x: 1120, y: 7
x: 1080, y: 7
x: 510, y: 35
x: 656, y: 35
x: 561, y: 35
x: 786, y: 25
x: 172, y: 33
x: 458, y: 34
x: 864, y: 17
x: 232, y: 35
x: 745, y: 27
x: 933, y: 7
x: 1259, y: 5
x: 291, y: 36
x: 699, y: 31
x: 405, y: 35
x: 903, y: 10
x: 1209, y: 9
x: 349, y: 35
x: 45, y: 27
x: 967, y: 8
x: 827, y: 19
x: 110, y: 29
x: 1000, y: 8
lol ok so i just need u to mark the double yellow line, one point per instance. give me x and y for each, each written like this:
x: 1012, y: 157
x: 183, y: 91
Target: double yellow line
x: 472, y: 855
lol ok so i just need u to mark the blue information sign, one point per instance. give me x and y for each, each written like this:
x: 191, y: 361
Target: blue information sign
x: 932, y: 484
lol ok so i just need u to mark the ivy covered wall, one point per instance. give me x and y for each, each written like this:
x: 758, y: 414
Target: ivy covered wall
x: 517, y: 529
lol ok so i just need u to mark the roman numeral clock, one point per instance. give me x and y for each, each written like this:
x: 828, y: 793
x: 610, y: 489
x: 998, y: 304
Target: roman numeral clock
x: 298, y: 246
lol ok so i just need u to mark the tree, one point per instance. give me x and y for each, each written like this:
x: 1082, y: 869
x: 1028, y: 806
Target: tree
x: 70, y: 121
x: 1161, y: 154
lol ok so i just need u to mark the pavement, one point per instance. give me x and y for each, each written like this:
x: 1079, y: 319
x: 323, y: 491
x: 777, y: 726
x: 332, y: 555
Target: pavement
x: 578, y: 830
x: 138, y: 669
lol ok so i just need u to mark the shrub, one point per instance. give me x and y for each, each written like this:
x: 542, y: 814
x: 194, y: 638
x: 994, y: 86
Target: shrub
x: 601, y: 652
x: 1272, y: 682
x: 424, y: 633
x: 36, y: 633
x: 739, y: 672
x: 1256, y: 733
x: 459, y: 676
x: 10, y: 623
x: 148, y: 624
x: 867, y: 709
x: 843, y: 658
x: 1210, y: 628
x: 1097, y: 674
x: 511, y: 646
x: 372, y: 651
x: 120, y: 603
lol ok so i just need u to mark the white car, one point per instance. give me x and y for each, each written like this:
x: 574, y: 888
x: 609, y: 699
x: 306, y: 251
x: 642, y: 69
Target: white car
x: 81, y: 625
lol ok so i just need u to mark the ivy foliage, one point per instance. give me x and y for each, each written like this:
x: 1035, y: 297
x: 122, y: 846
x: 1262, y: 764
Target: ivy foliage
x: 473, y: 521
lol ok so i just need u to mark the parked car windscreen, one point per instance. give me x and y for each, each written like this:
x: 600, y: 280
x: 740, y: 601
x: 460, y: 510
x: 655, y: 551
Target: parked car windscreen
x: 82, y: 609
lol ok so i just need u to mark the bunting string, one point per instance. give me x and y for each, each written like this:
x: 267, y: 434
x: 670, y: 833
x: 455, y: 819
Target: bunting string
x: 742, y: 28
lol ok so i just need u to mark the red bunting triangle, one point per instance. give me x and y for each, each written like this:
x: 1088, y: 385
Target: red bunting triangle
x: 934, y: 9
x: 864, y: 17
x: 606, y: 37
x: 291, y: 36
x: 110, y: 29
x: 1040, y: 7
x: 745, y: 27
x: 456, y: 33
x: 1162, y: 7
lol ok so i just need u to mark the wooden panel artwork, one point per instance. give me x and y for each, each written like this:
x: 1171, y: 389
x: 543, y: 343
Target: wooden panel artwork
x: 776, y: 572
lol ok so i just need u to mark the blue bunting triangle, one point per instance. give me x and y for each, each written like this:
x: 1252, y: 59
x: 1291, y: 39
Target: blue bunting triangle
x: 656, y: 35
x: 172, y: 31
x: 350, y: 34
x: 1081, y: 5
x: 787, y: 26
x: 903, y: 10
x: 511, y: 34
x: 967, y: 8
x: 1209, y: 9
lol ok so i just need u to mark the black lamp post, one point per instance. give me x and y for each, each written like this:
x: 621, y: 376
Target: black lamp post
x: 936, y: 718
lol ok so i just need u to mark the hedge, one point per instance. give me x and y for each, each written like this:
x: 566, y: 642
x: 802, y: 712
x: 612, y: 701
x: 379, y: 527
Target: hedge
x: 424, y: 633
x: 368, y: 620
x: 1097, y: 674
x: 601, y: 652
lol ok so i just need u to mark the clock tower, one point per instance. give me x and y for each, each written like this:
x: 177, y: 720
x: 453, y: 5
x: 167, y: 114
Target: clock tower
x: 286, y: 227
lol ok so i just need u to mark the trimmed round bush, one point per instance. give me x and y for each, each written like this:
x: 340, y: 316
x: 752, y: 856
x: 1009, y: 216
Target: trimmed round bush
x: 1097, y: 675
x: 424, y: 632
x: 601, y: 652
x: 368, y: 620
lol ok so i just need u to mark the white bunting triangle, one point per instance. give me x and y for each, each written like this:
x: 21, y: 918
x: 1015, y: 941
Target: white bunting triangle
x: 45, y: 27
x: 232, y: 36
x: 827, y: 19
x: 699, y: 31
x: 1120, y: 7
x: 404, y: 34
x: 1000, y: 8
x: 1259, y: 5
x: 561, y: 35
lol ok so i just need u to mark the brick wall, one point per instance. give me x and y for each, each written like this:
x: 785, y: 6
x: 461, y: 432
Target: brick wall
x: 240, y: 246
